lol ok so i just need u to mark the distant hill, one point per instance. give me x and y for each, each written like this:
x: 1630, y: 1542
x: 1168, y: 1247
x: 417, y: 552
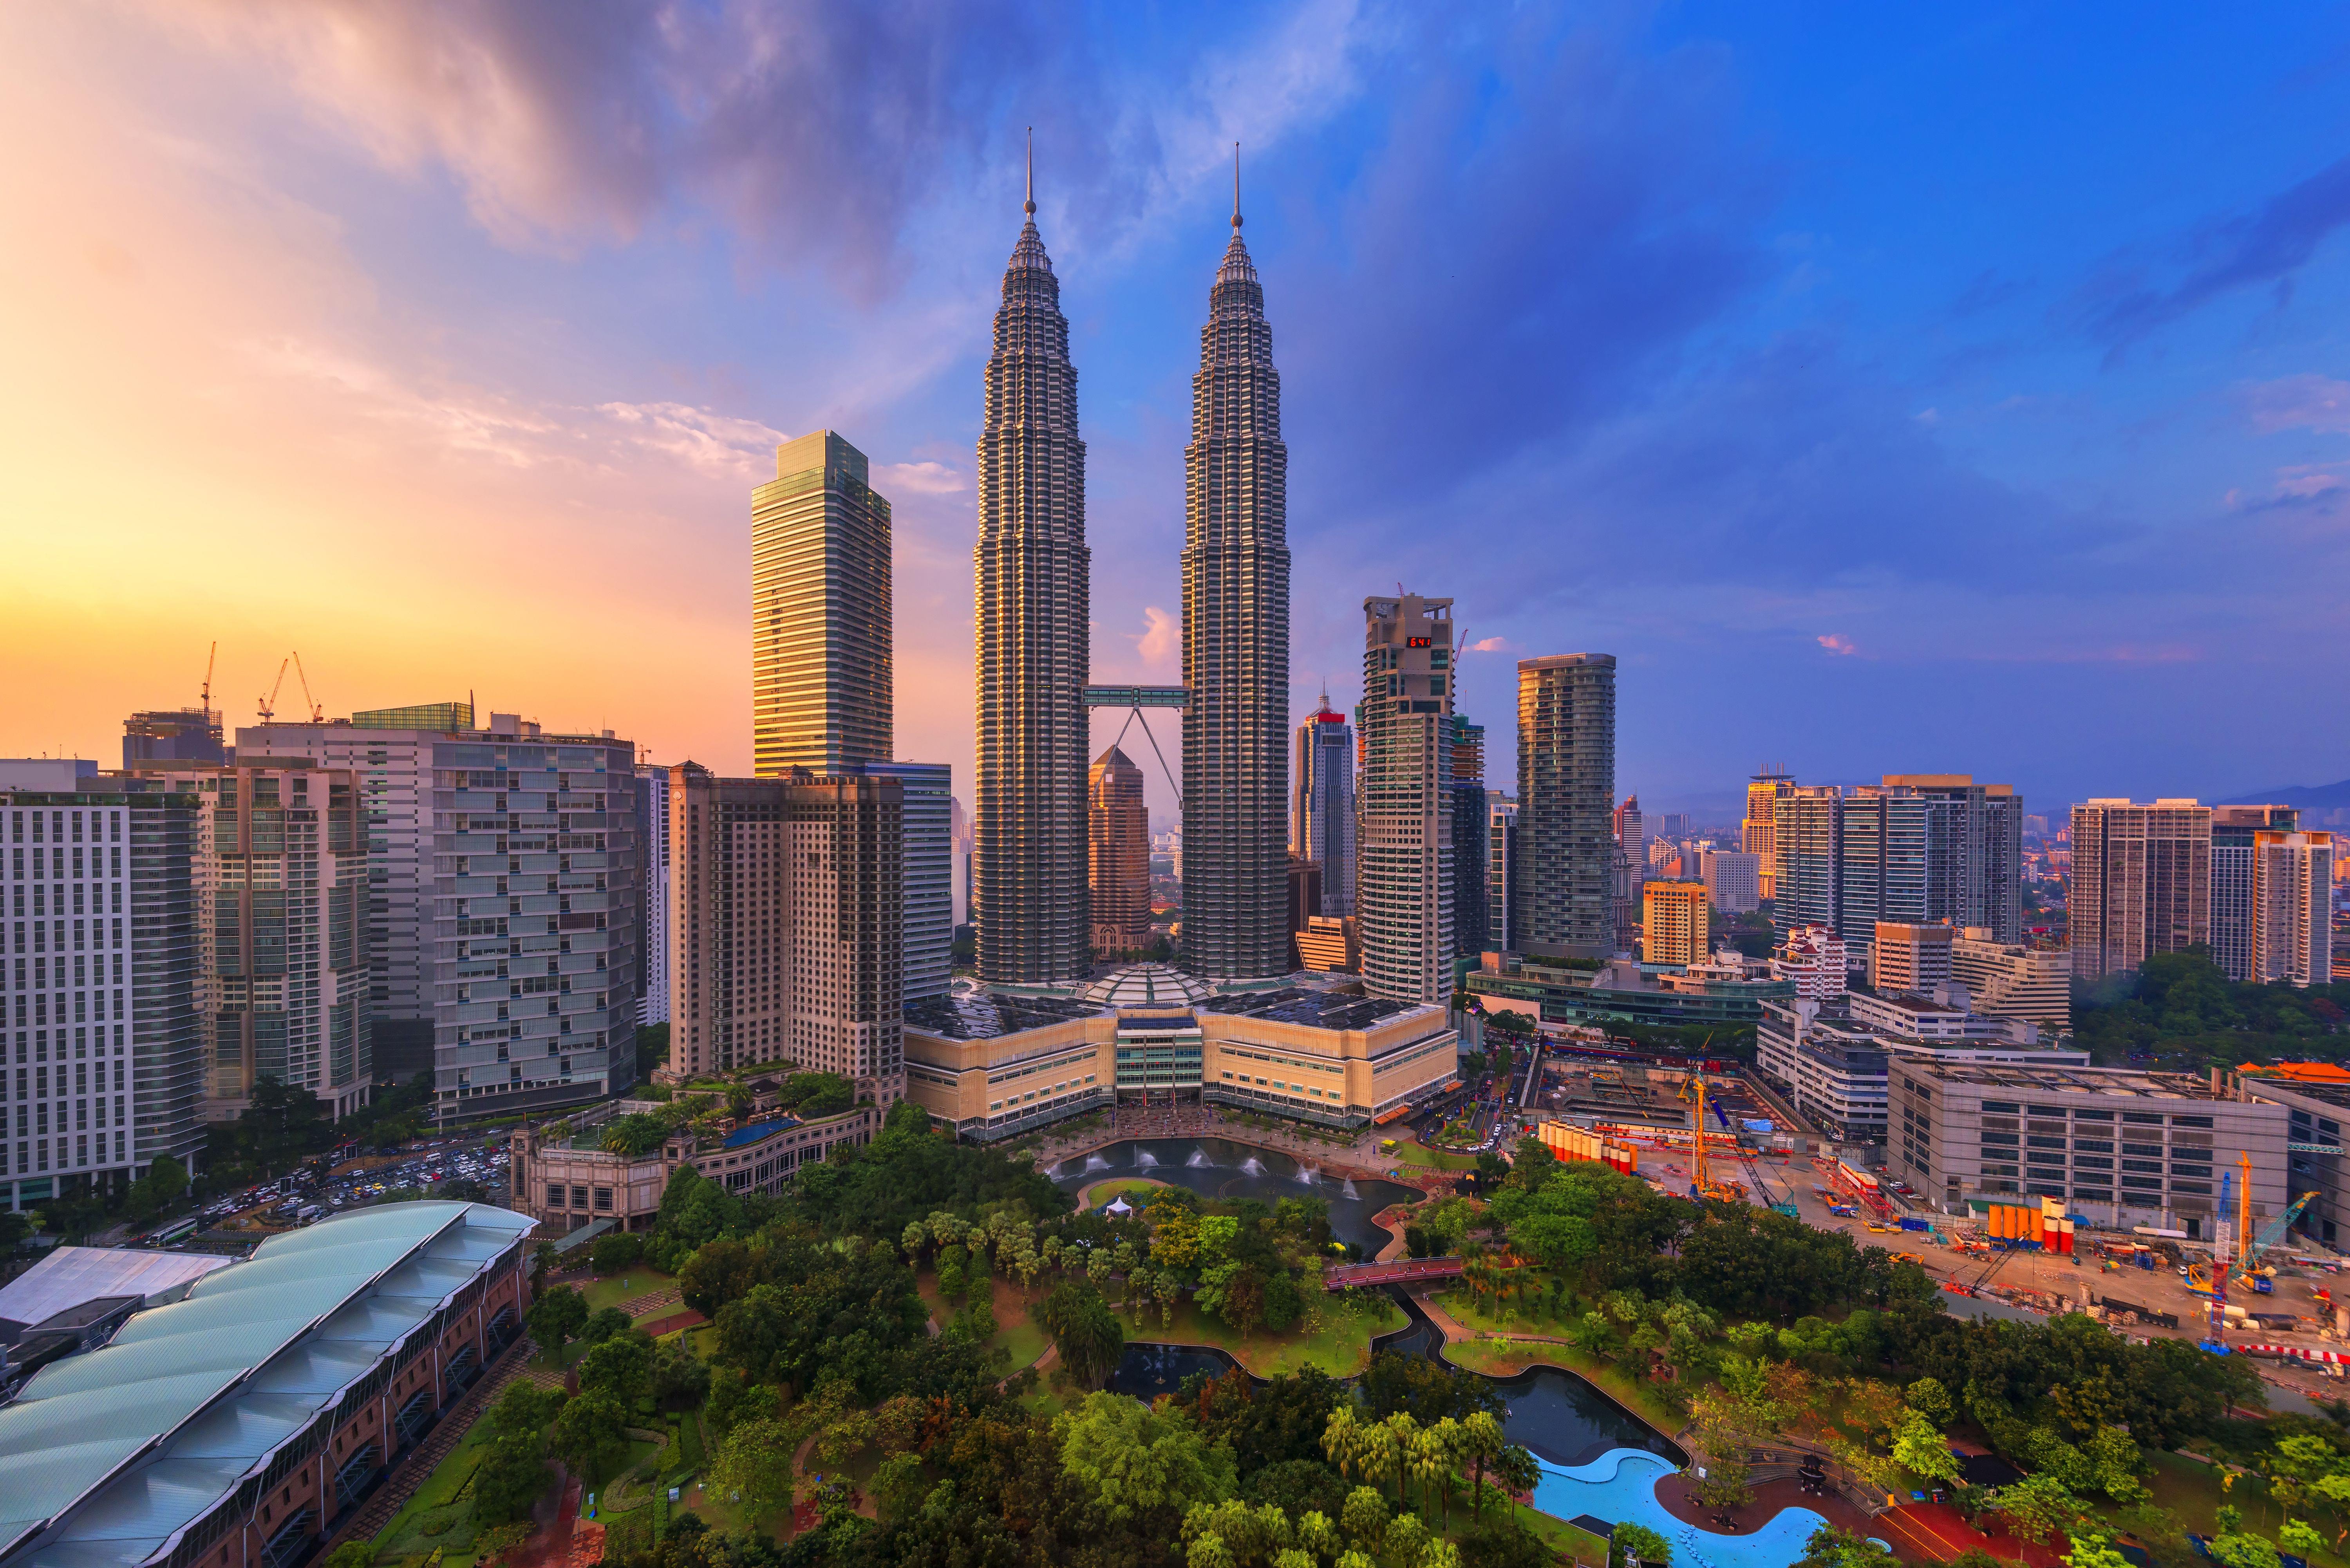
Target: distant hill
x: 2308, y: 797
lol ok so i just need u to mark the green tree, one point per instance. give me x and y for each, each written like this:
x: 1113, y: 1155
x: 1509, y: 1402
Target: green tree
x: 1919, y: 1448
x: 899, y: 1487
x: 588, y: 1438
x: 2096, y: 1552
x: 1481, y: 1442
x: 556, y: 1316
x: 162, y: 1189
x: 681, y: 1379
x: 1931, y: 1400
x: 602, y: 1324
x: 2037, y: 1506
x: 621, y: 1366
x: 1639, y: 1541
x: 1085, y: 1330
x: 615, y: 1252
x: 757, y: 1462
x: 1135, y: 1461
x: 1829, y: 1547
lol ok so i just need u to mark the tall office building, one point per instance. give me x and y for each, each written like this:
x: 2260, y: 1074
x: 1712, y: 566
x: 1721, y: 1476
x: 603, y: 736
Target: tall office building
x: 1032, y: 591
x: 1627, y: 872
x: 652, y: 837
x: 172, y: 735
x: 2293, y: 908
x: 1404, y: 882
x: 927, y: 876
x: 785, y: 926
x: 1758, y: 833
x: 281, y: 887
x: 2141, y: 883
x: 1472, y: 909
x: 1675, y: 928
x: 98, y: 997
x: 1567, y: 779
x: 1322, y: 804
x: 390, y: 750
x: 1974, y: 867
x: 1118, y: 845
x: 2232, y: 830
x: 1500, y: 870
x: 1806, y: 836
x: 1235, y: 637
x: 821, y: 683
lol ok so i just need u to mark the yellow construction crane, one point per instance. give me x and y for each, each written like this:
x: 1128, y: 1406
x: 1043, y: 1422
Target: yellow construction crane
x: 269, y: 703
x: 317, y: 714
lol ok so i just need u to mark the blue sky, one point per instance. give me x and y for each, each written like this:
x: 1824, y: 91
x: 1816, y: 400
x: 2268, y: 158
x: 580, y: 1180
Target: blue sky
x: 1890, y: 390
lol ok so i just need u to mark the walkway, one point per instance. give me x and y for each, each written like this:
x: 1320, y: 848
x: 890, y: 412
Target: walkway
x: 410, y: 1472
x: 1401, y: 1271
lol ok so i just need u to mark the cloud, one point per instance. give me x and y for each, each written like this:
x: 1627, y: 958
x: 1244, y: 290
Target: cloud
x: 924, y: 478
x: 1162, y: 643
x: 2309, y: 481
x: 1492, y: 645
x: 2267, y: 246
x: 2306, y: 403
x: 1836, y: 642
x: 714, y: 442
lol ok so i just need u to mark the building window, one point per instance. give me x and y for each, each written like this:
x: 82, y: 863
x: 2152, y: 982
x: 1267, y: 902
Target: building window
x: 579, y: 1197
x: 555, y: 1195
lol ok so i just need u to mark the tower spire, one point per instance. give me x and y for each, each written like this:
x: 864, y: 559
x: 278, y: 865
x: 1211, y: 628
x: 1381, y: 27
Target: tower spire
x: 1236, y: 187
x: 1030, y: 208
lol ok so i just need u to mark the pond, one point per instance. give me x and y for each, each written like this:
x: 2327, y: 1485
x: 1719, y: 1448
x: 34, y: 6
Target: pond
x: 1219, y: 1168
x: 1566, y: 1420
x: 1146, y: 1371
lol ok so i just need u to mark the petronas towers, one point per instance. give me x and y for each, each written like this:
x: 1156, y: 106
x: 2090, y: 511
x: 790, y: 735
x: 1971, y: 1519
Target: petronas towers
x: 1029, y: 860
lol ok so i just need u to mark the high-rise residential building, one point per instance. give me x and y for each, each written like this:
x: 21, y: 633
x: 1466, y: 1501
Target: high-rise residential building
x: 926, y: 819
x: 1322, y: 805
x: 1917, y: 848
x: 1631, y: 829
x: 503, y: 873
x: 1235, y: 637
x: 959, y: 843
x: 1975, y: 843
x: 1674, y: 824
x: 1404, y: 882
x: 1627, y: 872
x: 1758, y: 834
x: 821, y: 682
x: 97, y: 997
x: 2008, y: 979
x: 1118, y: 843
x: 281, y: 890
x: 1906, y: 956
x: 1674, y: 925
x: 1031, y: 590
x: 1567, y: 779
x: 786, y: 926
x: 653, y: 838
x: 1472, y: 909
x: 2293, y: 908
x: 172, y: 735
x: 1733, y: 878
x: 390, y: 750
x: 2232, y: 829
x: 1500, y: 870
x: 2141, y: 883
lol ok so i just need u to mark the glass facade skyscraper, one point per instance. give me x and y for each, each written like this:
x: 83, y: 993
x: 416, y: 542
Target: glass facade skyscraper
x: 821, y: 679
x: 1322, y: 809
x: 1566, y: 791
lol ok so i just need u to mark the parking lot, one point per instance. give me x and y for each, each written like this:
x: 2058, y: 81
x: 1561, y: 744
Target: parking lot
x: 366, y: 1177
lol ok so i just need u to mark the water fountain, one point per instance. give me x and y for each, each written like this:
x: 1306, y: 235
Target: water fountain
x: 1349, y: 1189
x: 1200, y: 1160
x: 1144, y: 1159
x: 1095, y: 1162
x: 1309, y: 1174
x: 1251, y: 1165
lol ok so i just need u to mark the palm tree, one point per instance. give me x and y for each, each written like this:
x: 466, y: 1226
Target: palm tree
x: 1481, y: 1441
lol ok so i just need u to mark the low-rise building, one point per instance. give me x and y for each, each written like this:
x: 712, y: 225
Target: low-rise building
x: 1814, y: 959
x: 2316, y: 1098
x: 997, y: 1065
x: 2121, y: 1147
x: 239, y: 1427
x: 1910, y: 956
x: 1589, y: 993
x: 1328, y: 944
x: 2006, y: 980
x: 562, y: 1175
x: 1835, y: 1059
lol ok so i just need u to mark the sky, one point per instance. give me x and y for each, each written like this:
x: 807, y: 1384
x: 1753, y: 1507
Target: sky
x: 1921, y: 389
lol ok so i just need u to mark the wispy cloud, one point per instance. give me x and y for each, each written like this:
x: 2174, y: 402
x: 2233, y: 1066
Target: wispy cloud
x: 1837, y: 643
x: 2304, y: 402
x: 924, y: 478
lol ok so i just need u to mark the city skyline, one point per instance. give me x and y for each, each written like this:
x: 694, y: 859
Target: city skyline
x: 400, y: 318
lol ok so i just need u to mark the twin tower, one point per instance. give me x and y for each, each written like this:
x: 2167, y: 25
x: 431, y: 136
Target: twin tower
x: 1033, y: 602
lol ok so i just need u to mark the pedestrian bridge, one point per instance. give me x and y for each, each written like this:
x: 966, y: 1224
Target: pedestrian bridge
x: 1401, y: 1271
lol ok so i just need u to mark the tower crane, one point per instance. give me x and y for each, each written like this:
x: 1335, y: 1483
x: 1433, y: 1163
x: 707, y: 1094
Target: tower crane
x: 210, y: 659
x: 317, y: 714
x: 269, y: 703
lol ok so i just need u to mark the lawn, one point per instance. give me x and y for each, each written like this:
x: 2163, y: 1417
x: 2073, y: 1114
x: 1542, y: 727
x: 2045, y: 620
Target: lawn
x: 1523, y: 1315
x: 640, y: 1280
x: 440, y: 1515
x: 1411, y: 1151
x: 1135, y: 1189
x: 1341, y: 1348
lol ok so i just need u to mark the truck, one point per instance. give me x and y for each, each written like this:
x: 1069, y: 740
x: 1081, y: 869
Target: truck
x: 308, y: 1213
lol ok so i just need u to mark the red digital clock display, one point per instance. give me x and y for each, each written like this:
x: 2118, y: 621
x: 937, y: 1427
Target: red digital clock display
x: 1416, y: 642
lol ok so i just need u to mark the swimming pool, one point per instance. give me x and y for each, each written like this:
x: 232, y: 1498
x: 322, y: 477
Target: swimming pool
x: 1620, y: 1486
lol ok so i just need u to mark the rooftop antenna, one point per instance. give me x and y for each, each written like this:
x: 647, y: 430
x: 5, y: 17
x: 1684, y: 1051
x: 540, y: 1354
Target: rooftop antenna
x: 1030, y: 207
x: 1236, y: 187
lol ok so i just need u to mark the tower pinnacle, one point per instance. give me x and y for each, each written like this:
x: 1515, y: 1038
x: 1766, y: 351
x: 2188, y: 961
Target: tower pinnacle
x: 1030, y: 206
x: 1236, y: 185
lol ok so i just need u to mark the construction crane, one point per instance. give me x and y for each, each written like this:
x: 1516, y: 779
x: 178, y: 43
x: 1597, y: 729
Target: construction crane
x: 1702, y: 1186
x: 2270, y: 1234
x: 269, y: 703
x: 318, y: 714
x: 210, y: 659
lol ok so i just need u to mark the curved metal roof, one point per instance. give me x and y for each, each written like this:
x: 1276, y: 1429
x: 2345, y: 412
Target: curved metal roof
x: 112, y: 1454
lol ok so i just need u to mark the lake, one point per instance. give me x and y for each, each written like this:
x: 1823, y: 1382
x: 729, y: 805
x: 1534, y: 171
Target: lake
x: 1219, y: 1168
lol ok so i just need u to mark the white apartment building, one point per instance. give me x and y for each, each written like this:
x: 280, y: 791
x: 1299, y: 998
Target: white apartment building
x: 1813, y: 958
x: 2006, y: 980
x: 2293, y: 908
x: 1836, y: 1065
x: 103, y: 1059
x: 653, y: 833
x: 1733, y: 879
